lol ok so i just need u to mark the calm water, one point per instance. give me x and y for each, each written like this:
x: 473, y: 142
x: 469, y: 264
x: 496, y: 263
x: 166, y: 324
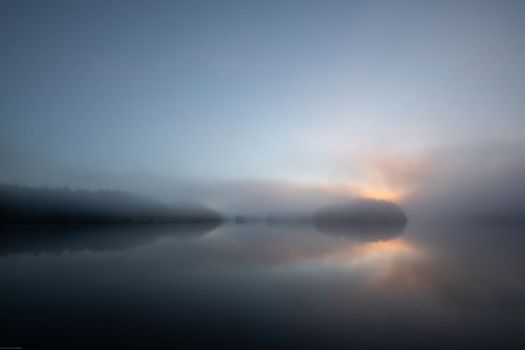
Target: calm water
x: 260, y: 286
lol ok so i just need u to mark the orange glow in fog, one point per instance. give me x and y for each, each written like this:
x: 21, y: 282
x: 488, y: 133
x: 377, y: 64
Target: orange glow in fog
x: 381, y: 193
x: 374, y: 252
x: 385, y: 248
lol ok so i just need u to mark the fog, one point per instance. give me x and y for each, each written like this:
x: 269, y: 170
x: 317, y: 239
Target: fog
x: 462, y: 182
x: 277, y: 174
x: 255, y: 107
x: 473, y: 183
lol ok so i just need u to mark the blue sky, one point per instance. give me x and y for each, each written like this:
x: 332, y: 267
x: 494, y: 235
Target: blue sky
x: 295, y: 91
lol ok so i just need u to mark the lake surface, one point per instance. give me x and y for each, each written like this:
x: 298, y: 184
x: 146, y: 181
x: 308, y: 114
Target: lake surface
x: 262, y: 286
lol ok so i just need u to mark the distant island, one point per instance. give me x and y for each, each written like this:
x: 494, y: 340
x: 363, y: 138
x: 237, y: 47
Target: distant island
x: 362, y: 212
x: 43, y: 206
x: 362, y: 218
x: 22, y: 205
x: 356, y: 213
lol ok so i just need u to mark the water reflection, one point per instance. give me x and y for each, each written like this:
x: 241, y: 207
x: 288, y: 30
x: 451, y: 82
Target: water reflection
x: 56, y: 240
x: 362, y: 232
x: 260, y: 286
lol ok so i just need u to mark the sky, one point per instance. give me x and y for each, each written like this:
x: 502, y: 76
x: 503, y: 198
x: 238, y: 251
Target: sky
x: 226, y: 101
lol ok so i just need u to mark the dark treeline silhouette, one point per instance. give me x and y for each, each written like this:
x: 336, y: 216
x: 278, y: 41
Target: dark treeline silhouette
x: 362, y: 212
x: 22, y: 205
x: 362, y: 219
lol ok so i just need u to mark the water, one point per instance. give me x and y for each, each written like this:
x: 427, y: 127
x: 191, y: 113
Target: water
x: 261, y: 286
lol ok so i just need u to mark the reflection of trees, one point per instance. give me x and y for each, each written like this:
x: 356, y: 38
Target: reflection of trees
x: 93, y: 238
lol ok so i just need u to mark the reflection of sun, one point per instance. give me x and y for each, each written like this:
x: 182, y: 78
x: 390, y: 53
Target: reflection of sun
x: 375, y: 253
x: 385, y: 248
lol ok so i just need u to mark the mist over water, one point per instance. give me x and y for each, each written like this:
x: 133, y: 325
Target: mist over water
x: 274, y: 174
x: 259, y: 286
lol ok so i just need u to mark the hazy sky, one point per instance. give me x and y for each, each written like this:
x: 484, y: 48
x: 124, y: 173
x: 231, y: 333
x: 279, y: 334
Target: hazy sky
x: 341, y: 94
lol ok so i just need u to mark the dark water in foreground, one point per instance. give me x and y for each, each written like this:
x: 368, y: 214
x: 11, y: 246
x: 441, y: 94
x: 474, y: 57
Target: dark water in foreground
x: 263, y: 287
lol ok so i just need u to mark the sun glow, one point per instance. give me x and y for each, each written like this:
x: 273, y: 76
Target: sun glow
x: 381, y: 193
